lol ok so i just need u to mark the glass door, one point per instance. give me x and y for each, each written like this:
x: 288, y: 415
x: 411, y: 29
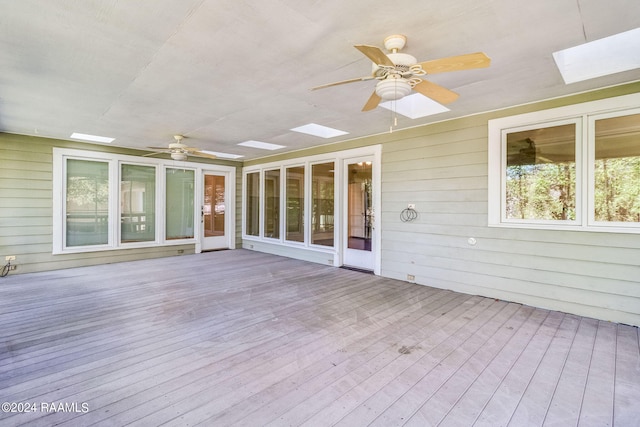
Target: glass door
x: 359, y: 229
x: 213, y: 214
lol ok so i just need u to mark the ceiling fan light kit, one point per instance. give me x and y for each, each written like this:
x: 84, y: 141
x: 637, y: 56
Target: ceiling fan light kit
x: 393, y: 88
x: 179, y: 156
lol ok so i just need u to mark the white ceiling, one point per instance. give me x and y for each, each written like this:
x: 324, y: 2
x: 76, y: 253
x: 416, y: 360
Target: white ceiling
x: 223, y: 72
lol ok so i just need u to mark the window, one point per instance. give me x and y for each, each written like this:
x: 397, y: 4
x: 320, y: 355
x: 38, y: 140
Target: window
x: 179, y: 212
x: 571, y: 168
x: 105, y: 201
x: 272, y: 203
x: 323, y: 191
x: 137, y: 203
x: 252, y: 224
x: 616, y: 173
x: 540, y: 174
x: 292, y: 205
x: 295, y: 204
x: 87, y: 203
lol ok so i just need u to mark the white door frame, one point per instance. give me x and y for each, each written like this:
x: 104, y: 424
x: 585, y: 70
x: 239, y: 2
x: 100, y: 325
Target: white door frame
x: 230, y: 211
x: 347, y: 255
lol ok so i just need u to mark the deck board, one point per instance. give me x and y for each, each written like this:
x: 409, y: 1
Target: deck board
x: 244, y: 338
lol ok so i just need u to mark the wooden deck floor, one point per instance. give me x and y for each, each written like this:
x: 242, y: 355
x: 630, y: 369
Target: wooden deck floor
x: 239, y: 337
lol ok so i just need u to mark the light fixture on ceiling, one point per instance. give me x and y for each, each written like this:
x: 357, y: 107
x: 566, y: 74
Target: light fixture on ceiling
x: 392, y: 88
x: 179, y: 156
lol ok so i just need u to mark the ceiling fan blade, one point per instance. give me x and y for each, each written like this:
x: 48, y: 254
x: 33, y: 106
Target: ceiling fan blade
x: 436, y: 92
x: 456, y: 63
x: 191, y: 149
x: 201, y: 154
x: 375, y: 54
x: 372, y: 103
x: 357, y: 79
x: 158, y: 148
x: 154, y: 154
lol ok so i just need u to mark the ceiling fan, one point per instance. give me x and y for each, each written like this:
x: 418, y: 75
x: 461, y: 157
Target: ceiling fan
x: 524, y: 152
x: 400, y: 73
x: 180, y: 151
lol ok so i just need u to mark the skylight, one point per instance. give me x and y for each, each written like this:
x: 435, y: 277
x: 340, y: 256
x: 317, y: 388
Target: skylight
x: 92, y: 138
x: 610, y: 55
x: 415, y: 106
x: 319, y: 130
x: 222, y: 155
x: 261, y: 145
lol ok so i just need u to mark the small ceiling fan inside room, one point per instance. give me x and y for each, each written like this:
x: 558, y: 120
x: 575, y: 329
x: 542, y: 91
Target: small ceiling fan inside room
x: 179, y: 151
x: 400, y: 73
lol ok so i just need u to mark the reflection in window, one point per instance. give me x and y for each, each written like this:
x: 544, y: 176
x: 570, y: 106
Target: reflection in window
x: 213, y: 209
x: 617, y: 169
x: 295, y: 204
x: 179, y: 204
x: 137, y: 203
x: 272, y: 203
x: 322, y: 182
x: 541, y: 174
x: 252, y: 225
x: 87, y: 203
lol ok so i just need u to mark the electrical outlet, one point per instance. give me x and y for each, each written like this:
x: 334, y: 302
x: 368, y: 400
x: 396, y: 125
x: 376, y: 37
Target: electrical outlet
x: 10, y: 258
x: 411, y: 277
x: 12, y: 267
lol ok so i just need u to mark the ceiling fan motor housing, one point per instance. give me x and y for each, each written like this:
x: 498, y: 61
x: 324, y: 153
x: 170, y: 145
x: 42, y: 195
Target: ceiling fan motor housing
x: 402, y: 62
x: 177, y: 146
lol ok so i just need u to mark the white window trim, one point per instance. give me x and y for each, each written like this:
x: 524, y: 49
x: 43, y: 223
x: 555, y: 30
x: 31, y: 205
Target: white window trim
x: 115, y: 161
x: 585, y: 114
